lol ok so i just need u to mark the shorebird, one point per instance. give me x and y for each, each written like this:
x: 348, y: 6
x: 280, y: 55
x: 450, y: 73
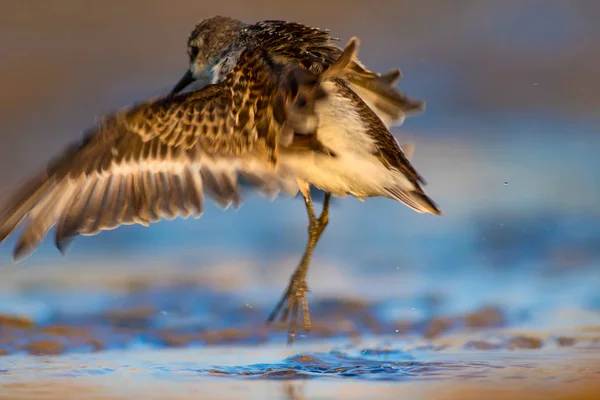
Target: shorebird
x: 286, y: 109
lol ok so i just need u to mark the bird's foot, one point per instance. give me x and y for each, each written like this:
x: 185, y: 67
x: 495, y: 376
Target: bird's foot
x: 291, y: 304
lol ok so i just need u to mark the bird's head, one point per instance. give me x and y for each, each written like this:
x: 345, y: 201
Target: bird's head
x: 210, y: 41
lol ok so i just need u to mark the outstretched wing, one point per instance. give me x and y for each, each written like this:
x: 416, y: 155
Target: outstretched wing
x: 158, y: 159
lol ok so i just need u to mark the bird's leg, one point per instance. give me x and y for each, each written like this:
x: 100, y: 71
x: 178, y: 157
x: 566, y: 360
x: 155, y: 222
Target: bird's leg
x: 295, y: 296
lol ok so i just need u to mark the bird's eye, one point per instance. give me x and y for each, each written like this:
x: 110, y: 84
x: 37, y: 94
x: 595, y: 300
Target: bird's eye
x: 194, y: 50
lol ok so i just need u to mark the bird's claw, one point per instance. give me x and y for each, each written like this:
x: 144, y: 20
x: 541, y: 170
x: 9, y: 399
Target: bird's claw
x: 291, y: 304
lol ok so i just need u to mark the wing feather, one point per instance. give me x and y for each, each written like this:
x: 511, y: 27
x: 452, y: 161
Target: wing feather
x: 69, y: 220
x: 156, y: 160
x: 315, y: 50
x: 145, y: 184
x: 193, y: 194
x: 43, y: 217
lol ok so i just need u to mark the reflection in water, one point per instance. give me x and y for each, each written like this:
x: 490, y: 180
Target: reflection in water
x: 294, y: 390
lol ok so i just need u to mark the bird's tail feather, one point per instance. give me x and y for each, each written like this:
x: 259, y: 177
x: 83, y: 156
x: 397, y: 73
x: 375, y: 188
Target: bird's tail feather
x: 416, y: 199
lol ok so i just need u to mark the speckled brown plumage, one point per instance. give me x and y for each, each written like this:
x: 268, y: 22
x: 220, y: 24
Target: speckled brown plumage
x: 99, y: 184
x: 315, y: 50
x: 287, y: 109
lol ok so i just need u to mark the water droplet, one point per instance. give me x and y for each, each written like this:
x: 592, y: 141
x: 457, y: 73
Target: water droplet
x: 505, y: 183
x: 397, y: 330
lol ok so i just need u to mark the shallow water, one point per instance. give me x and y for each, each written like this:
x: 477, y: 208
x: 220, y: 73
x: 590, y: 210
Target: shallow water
x: 169, y: 331
x: 223, y: 372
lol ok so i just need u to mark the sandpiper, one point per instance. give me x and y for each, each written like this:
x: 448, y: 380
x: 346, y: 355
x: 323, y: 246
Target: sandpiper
x: 286, y: 109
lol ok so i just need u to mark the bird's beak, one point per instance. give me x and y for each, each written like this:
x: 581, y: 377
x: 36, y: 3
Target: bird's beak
x: 186, y: 80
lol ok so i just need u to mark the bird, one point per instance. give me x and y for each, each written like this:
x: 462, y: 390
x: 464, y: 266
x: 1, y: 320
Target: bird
x: 285, y: 110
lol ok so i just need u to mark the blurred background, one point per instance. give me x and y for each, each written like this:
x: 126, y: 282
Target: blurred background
x: 508, y: 145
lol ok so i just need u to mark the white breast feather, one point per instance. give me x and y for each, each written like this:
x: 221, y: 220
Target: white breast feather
x: 354, y: 170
